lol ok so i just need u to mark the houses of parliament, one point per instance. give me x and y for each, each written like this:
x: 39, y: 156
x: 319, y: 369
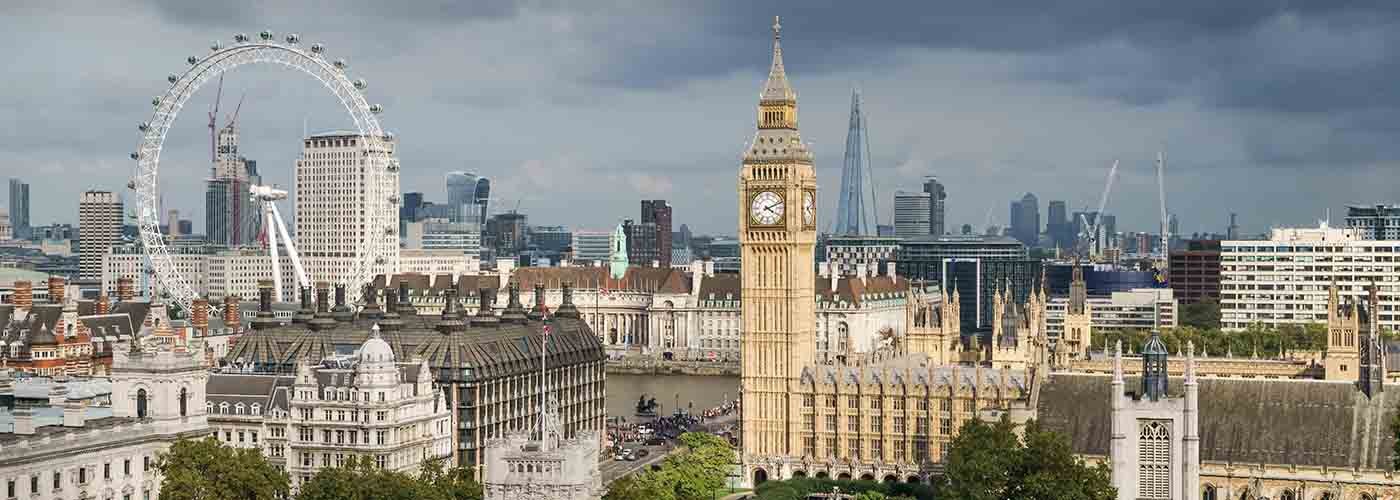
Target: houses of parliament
x: 1174, y: 427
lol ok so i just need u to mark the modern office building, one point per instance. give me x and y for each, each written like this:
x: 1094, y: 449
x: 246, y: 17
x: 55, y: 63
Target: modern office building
x: 1284, y: 279
x: 642, y: 246
x: 1138, y: 310
x: 912, y: 212
x: 19, y: 211
x: 550, y: 238
x: 409, y: 210
x: 1057, y: 225
x: 1194, y: 272
x: 591, y: 247
x: 847, y: 252
x: 923, y: 258
x: 1375, y: 222
x: 99, y: 229
x: 483, y: 197
x: 442, y: 234
x: 1025, y: 220
x: 507, y: 234
x: 937, y: 201
x: 724, y: 252
x: 334, y: 200
x: 7, y: 232
x: 461, y: 195
x: 658, y: 213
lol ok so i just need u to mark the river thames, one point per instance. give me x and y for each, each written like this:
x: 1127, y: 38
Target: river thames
x: 704, y: 391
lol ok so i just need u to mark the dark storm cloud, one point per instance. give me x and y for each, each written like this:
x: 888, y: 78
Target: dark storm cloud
x: 638, y: 99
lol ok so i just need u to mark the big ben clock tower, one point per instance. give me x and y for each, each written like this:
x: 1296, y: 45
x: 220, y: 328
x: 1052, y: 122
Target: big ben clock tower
x: 777, y: 234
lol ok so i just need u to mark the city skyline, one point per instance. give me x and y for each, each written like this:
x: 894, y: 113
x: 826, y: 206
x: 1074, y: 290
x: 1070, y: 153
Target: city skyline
x: 937, y: 95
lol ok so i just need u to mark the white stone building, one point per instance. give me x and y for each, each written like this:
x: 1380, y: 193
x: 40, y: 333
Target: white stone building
x: 591, y: 247
x: 550, y: 468
x: 333, y: 198
x: 67, y: 449
x: 366, y: 405
x: 1284, y: 280
x: 1139, y: 309
x: 435, y: 262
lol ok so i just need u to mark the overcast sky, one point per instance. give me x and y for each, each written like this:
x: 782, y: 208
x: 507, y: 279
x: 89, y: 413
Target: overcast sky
x: 577, y: 110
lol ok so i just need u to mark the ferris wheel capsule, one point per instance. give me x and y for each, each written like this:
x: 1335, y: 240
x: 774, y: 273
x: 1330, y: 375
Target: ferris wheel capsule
x: 376, y: 108
x: 361, y: 84
x: 131, y: 185
x: 293, y: 38
x: 135, y: 155
x: 192, y: 60
x: 172, y: 78
x: 394, y: 199
x: 240, y: 38
x: 144, y: 126
x: 155, y: 101
x: 317, y: 48
x: 339, y: 64
x: 265, y: 35
x: 215, y: 45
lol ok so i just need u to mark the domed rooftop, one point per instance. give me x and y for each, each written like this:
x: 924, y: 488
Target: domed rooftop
x: 375, y: 349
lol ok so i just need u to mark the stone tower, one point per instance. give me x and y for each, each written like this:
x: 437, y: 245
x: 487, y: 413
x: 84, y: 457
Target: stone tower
x: 1154, y: 442
x: 1343, y: 358
x: 1079, y: 331
x: 777, y: 234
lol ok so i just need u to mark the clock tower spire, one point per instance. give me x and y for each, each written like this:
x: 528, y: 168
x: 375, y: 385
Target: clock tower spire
x: 777, y: 234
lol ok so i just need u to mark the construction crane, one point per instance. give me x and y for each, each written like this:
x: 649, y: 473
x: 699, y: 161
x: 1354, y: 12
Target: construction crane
x: 1162, y: 204
x: 1090, y: 229
x: 213, y: 123
x: 234, y: 117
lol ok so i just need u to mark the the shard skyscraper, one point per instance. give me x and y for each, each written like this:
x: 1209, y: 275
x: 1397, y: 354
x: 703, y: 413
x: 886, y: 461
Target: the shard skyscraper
x: 855, y: 213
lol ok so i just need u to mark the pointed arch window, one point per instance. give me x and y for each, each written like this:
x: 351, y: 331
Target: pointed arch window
x: 1154, y: 459
x: 184, y: 401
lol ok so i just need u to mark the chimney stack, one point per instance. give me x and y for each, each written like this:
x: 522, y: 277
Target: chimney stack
x: 126, y: 291
x: 199, y: 315
x: 74, y: 413
x: 538, y: 311
x: 55, y: 290
x: 342, y: 312
x: 103, y: 304
x: 567, y: 308
x: 24, y: 295
x: 231, y: 315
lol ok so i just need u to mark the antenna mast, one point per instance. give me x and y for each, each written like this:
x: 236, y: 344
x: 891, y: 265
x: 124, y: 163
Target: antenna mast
x: 1162, y: 203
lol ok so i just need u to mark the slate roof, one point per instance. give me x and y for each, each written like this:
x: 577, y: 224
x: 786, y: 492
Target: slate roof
x: 468, y: 352
x: 1274, y: 421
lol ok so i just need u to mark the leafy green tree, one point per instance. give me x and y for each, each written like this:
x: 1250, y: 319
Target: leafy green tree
x: 359, y: 478
x: 871, y: 495
x: 456, y: 483
x: 204, y: 469
x: 1204, y: 315
x: 980, y: 461
x: 693, y: 475
x: 987, y: 461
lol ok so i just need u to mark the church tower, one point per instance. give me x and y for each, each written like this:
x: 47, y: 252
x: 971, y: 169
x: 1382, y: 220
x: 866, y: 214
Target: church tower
x: 777, y: 235
x: 1078, y: 334
x: 1343, y: 357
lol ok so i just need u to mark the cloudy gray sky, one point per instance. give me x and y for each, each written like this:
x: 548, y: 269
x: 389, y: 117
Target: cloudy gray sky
x: 576, y: 110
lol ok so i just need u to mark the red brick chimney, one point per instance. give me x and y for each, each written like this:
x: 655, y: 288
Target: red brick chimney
x: 125, y: 291
x: 231, y: 312
x: 55, y: 290
x: 199, y: 315
x: 24, y: 294
x: 103, y: 305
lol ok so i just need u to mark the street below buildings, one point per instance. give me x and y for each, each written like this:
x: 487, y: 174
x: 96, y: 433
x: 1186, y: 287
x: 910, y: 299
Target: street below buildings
x: 613, y: 469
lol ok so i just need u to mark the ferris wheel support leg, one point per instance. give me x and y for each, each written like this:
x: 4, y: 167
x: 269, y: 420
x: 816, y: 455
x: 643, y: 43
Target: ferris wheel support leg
x: 302, y: 280
x: 272, y: 248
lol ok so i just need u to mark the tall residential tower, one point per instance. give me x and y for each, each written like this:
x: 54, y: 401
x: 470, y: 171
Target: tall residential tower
x: 99, y: 228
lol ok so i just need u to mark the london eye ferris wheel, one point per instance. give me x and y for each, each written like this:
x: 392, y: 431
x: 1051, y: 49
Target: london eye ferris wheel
x: 375, y: 250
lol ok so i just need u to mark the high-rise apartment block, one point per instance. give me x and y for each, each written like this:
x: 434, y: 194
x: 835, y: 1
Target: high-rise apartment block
x: 642, y: 242
x: 1194, y: 272
x: 938, y: 196
x: 658, y: 213
x: 912, y: 212
x: 1375, y: 222
x: 1284, y: 280
x: 333, y: 199
x: 99, y: 228
x: 19, y: 211
x: 1057, y: 225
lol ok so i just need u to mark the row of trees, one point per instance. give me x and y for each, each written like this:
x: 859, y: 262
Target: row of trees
x: 696, y: 474
x: 205, y: 469
x: 1257, y: 339
x: 986, y: 461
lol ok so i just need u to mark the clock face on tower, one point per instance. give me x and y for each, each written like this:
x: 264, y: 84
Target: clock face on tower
x: 766, y: 209
x: 809, y: 208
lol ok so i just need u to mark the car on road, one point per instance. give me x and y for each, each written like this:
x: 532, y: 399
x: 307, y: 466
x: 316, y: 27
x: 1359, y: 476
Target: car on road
x: 641, y: 453
x: 656, y: 441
